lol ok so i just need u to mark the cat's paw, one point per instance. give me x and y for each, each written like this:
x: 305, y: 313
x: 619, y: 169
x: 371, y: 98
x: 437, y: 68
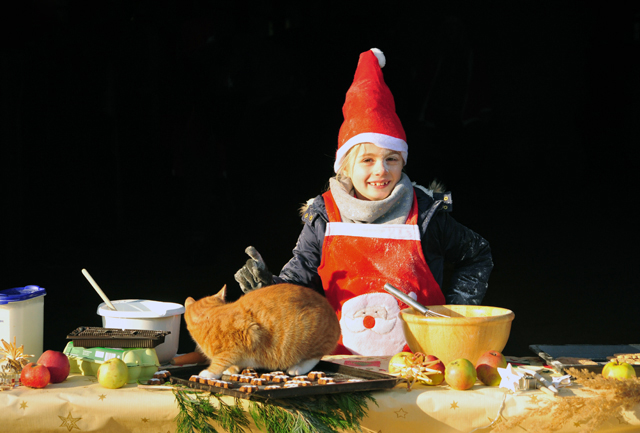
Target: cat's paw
x: 209, y: 375
x: 234, y: 369
x: 303, y: 367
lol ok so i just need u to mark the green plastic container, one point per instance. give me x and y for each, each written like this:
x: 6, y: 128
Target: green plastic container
x: 142, y: 363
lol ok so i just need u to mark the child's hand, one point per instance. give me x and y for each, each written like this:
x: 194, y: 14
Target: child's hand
x: 254, y: 274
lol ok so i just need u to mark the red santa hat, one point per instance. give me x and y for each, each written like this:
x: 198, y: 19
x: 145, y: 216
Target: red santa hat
x: 370, y: 111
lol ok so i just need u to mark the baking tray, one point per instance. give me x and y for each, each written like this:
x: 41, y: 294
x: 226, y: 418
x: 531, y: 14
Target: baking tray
x: 86, y: 336
x: 368, y: 381
x: 598, y: 353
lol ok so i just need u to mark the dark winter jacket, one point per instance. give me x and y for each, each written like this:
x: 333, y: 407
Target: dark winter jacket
x: 443, y: 240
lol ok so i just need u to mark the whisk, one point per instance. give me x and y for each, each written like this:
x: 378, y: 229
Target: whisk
x: 410, y: 301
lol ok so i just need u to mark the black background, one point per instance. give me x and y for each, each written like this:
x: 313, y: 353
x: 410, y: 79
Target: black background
x: 150, y: 142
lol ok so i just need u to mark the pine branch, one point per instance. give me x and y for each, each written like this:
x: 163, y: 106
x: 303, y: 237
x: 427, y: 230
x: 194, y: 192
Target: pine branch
x: 323, y: 413
x: 197, y: 413
x: 327, y: 413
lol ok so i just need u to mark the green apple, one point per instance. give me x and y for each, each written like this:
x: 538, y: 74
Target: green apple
x: 618, y: 370
x: 113, y: 373
x: 400, y: 361
x: 460, y: 374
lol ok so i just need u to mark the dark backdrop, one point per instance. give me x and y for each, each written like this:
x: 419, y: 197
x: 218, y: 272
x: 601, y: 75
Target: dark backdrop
x: 152, y: 141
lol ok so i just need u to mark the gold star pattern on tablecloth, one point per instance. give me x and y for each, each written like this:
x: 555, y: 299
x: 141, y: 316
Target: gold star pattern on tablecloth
x: 69, y: 422
x: 454, y: 405
x: 23, y: 405
x: 145, y: 419
x: 534, y: 399
x: 502, y: 419
x: 401, y: 413
x: 102, y: 397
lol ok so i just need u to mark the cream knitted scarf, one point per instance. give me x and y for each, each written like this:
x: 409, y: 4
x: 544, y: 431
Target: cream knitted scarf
x: 392, y: 210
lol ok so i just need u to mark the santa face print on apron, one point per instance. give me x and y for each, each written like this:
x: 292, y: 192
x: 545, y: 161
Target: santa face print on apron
x: 357, y: 260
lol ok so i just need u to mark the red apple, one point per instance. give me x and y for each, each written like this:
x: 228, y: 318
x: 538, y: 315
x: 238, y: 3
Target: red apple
x: 434, y: 378
x: 35, y: 375
x: 618, y: 370
x: 487, y: 367
x: 57, y: 363
x: 460, y: 374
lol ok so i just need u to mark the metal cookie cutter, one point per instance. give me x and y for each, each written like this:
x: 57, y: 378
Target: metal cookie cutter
x: 528, y: 382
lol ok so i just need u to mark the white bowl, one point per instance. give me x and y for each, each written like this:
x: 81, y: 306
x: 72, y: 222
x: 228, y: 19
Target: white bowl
x: 148, y: 315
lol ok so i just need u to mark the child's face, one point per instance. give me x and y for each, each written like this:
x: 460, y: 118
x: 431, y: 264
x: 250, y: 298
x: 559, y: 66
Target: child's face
x: 376, y: 171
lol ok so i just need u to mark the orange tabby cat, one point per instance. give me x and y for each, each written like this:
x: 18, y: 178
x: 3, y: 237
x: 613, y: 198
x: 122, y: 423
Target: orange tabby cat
x: 279, y: 327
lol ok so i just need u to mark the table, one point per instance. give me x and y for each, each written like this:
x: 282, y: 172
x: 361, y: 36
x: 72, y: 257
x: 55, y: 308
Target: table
x: 81, y: 404
x: 442, y: 409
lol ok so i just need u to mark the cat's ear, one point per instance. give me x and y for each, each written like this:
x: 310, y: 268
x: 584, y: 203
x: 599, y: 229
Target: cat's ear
x: 188, y: 301
x: 222, y: 294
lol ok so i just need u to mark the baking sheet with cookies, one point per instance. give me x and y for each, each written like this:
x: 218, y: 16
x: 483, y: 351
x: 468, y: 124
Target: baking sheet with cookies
x: 587, y: 356
x: 325, y: 378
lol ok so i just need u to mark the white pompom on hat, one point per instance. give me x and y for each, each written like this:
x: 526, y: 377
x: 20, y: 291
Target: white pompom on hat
x: 370, y: 111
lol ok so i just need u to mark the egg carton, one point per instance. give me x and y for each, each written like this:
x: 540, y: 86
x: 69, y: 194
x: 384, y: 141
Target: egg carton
x: 142, y: 363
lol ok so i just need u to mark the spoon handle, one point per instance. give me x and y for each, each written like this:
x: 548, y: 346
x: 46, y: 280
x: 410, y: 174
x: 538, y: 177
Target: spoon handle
x: 405, y: 298
x: 98, y: 289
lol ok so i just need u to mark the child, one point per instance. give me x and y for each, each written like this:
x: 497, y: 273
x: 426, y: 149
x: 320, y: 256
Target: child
x: 373, y: 226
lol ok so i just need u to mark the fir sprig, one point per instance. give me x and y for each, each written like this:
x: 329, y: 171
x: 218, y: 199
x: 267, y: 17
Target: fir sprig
x: 327, y: 413
x: 322, y: 413
x: 197, y: 413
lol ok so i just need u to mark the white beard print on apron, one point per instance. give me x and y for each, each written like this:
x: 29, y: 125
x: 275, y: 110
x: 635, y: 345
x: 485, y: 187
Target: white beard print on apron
x: 370, y: 325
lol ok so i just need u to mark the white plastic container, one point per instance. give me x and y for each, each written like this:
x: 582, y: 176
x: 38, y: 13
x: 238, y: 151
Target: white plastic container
x: 150, y: 315
x: 22, y: 318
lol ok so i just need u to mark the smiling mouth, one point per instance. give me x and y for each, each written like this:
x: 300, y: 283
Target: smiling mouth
x: 380, y: 184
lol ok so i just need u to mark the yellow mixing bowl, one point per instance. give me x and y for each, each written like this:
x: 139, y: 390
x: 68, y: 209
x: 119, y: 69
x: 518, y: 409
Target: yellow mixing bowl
x: 470, y: 331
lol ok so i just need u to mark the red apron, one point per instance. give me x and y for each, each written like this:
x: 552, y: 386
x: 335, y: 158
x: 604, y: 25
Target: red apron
x: 357, y: 260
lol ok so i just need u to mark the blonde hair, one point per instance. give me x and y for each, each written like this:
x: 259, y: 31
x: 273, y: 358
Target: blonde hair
x: 349, y: 161
x: 344, y: 172
x: 346, y: 168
